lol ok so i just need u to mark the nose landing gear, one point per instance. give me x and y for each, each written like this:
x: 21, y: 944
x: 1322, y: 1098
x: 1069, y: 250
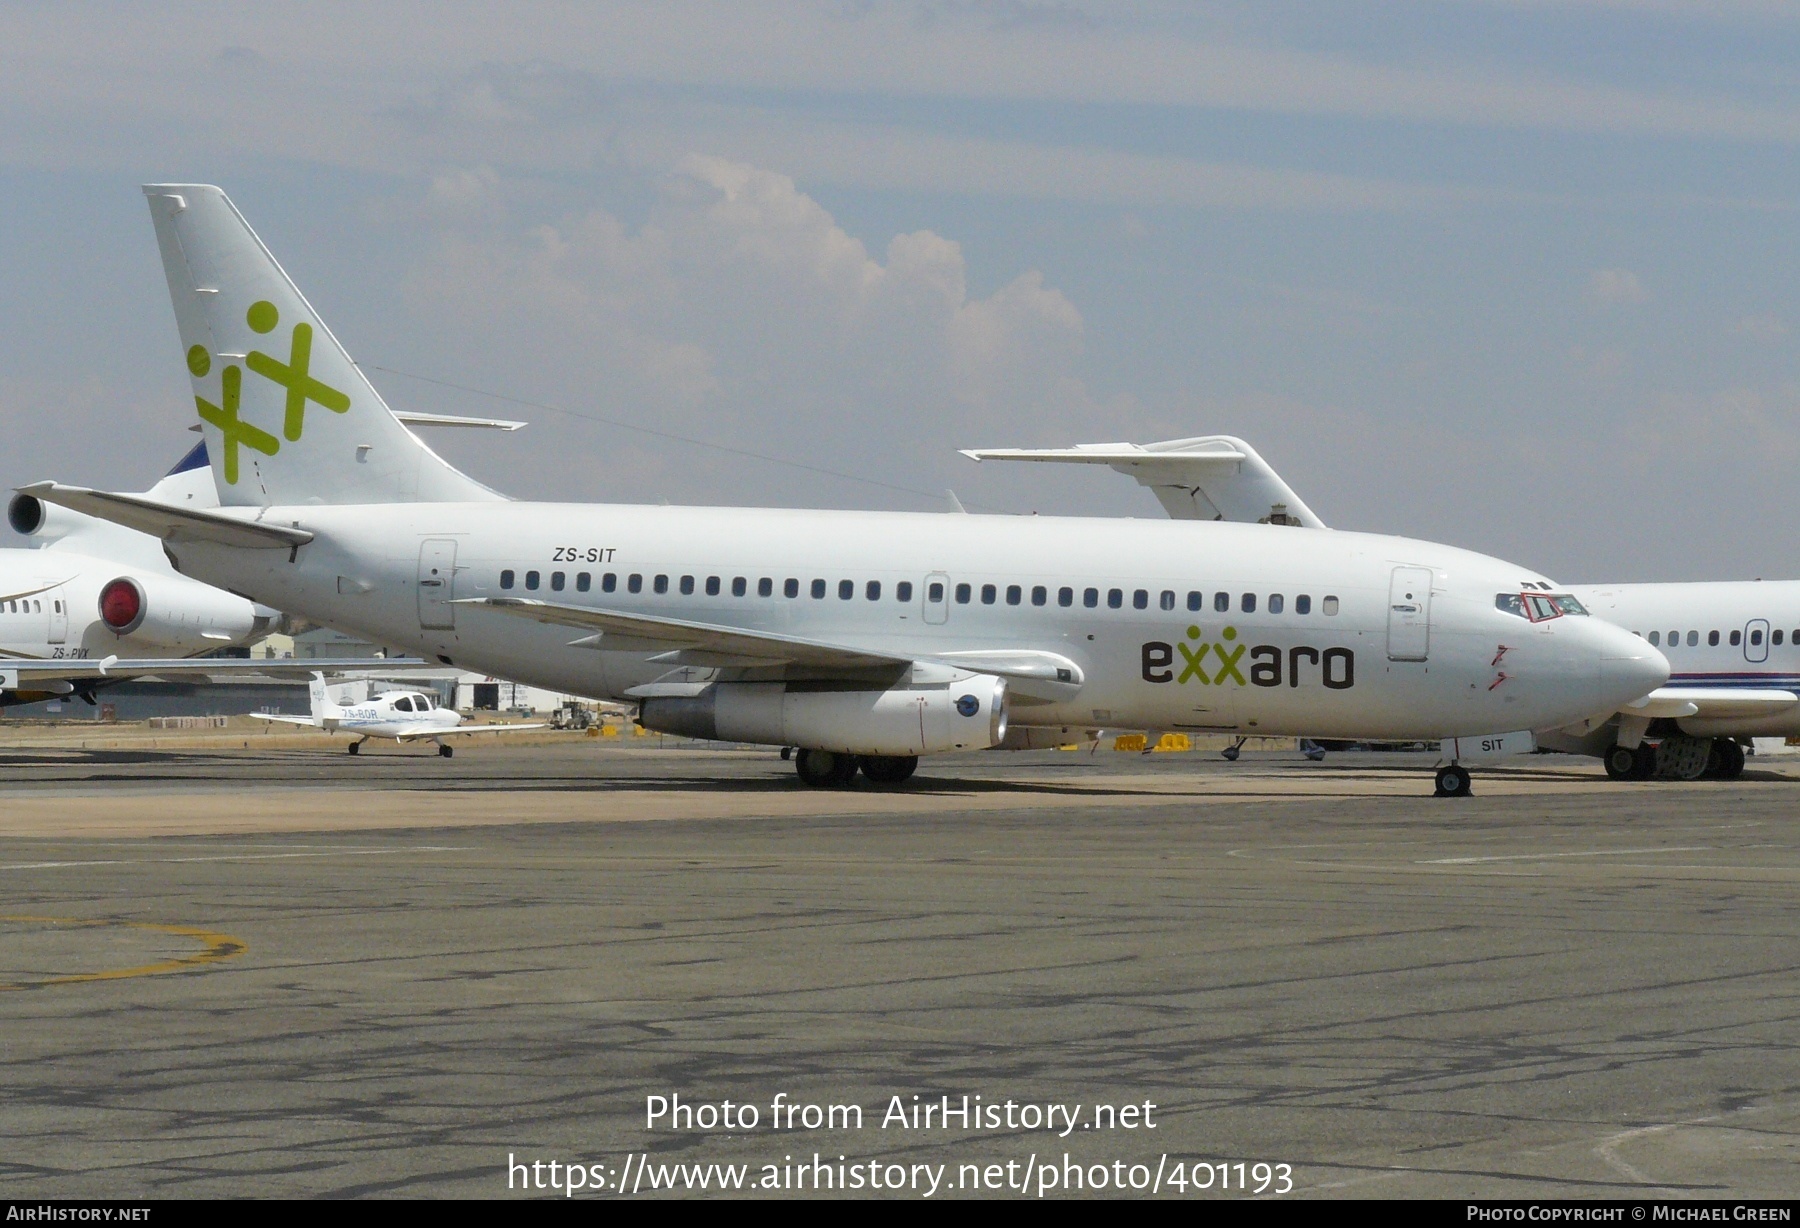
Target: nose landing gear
x: 1453, y: 781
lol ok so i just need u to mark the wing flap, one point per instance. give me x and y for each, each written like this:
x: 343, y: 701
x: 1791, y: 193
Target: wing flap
x: 1034, y: 673
x: 642, y: 632
x: 165, y: 521
x: 1712, y: 703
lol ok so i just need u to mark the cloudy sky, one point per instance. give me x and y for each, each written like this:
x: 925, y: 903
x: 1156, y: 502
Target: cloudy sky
x: 1517, y: 274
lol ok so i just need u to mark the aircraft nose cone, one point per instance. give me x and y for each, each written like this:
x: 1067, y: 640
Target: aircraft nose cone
x: 1629, y: 667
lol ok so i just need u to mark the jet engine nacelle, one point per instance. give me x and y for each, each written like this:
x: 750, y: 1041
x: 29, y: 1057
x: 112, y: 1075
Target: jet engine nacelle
x: 32, y: 517
x: 966, y: 715
x: 170, y: 612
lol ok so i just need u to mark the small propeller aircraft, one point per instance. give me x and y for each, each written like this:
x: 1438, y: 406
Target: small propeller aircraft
x: 405, y: 716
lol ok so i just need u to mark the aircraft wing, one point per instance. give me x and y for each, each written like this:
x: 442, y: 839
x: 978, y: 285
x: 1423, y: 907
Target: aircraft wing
x: 1713, y: 702
x: 719, y: 645
x: 679, y: 642
x: 444, y: 733
x: 1208, y: 477
x: 163, y: 520
x: 18, y: 672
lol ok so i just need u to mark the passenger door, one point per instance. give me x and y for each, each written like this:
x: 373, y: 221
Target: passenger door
x: 437, y: 584
x: 1409, y: 614
x: 1756, y: 640
x: 57, y: 602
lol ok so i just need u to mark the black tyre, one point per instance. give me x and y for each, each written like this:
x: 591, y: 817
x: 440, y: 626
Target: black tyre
x: 1230, y: 753
x: 354, y: 748
x: 824, y: 769
x: 1621, y: 762
x: 1726, y: 761
x: 889, y: 769
x: 445, y: 751
x: 1453, y: 781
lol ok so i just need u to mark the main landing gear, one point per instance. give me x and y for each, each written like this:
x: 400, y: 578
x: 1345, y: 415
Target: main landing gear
x: 355, y: 748
x: 1677, y: 757
x: 1630, y: 762
x: 1453, y: 781
x: 445, y: 749
x: 1231, y: 752
x: 831, y: 769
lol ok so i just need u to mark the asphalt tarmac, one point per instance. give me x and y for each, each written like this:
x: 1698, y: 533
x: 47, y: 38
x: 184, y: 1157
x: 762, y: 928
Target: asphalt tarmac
x: 279, y: 970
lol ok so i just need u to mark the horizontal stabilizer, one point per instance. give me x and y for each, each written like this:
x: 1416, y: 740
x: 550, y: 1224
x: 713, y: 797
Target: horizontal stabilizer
x: 1208, y: 477
x: 164, y: 521
x: 411, y: 418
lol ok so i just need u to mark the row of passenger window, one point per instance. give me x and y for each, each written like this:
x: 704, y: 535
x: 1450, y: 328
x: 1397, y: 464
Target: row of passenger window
x: 1712, y: 638
x: 990, y: 594
x: 22, y: 606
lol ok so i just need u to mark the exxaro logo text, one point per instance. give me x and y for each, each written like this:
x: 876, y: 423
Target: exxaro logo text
x: 294, y: 375
x: 1222, y: 663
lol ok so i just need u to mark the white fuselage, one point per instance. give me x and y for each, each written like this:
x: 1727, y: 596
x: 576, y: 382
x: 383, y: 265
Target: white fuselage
x: 1717, y: 635
x: 394, y: 572
x: 381, y: 717
x: 58, y: 616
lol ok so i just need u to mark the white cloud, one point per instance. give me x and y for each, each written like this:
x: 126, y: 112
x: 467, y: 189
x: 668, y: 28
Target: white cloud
x: 740, y: 311
x: 1768, y: 328
x: 1616, y: 288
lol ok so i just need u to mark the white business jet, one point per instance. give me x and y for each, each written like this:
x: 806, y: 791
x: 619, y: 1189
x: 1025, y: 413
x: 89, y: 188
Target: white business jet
x: 95, y: 603
x: 405, y: 716
x: 1734, y: 647
x: 865, y: 639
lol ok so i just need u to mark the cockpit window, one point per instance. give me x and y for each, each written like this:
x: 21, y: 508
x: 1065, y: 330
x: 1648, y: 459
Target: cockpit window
x: 403, y: 704
x: 422, y: 703
x: 1538, y: 606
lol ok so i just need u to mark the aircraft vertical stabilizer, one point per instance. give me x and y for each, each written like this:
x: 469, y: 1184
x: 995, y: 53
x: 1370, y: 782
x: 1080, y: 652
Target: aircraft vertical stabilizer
x: 288, y: 417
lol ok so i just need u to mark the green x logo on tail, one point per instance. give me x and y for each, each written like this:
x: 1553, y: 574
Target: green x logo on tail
x: 235, y: 429
x: 293, y: 374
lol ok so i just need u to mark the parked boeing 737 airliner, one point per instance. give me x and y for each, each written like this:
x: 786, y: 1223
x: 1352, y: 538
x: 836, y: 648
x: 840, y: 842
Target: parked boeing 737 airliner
x: 866, y: 639
x: 1733, y: 646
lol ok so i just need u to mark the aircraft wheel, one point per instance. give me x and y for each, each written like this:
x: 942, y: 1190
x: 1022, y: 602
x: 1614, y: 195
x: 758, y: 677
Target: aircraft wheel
x: 355, y: 748
x: 889, y: 769
x: 1621, y: 762
x: 445, y: 750
x: 1726, y: 762
x: 824, y: 769
x: 1453, y: 781
x: 1682, y: 757
x: 1230, y: 753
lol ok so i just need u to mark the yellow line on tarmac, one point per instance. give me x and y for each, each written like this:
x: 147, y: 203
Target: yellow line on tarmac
x: 217, y: 947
